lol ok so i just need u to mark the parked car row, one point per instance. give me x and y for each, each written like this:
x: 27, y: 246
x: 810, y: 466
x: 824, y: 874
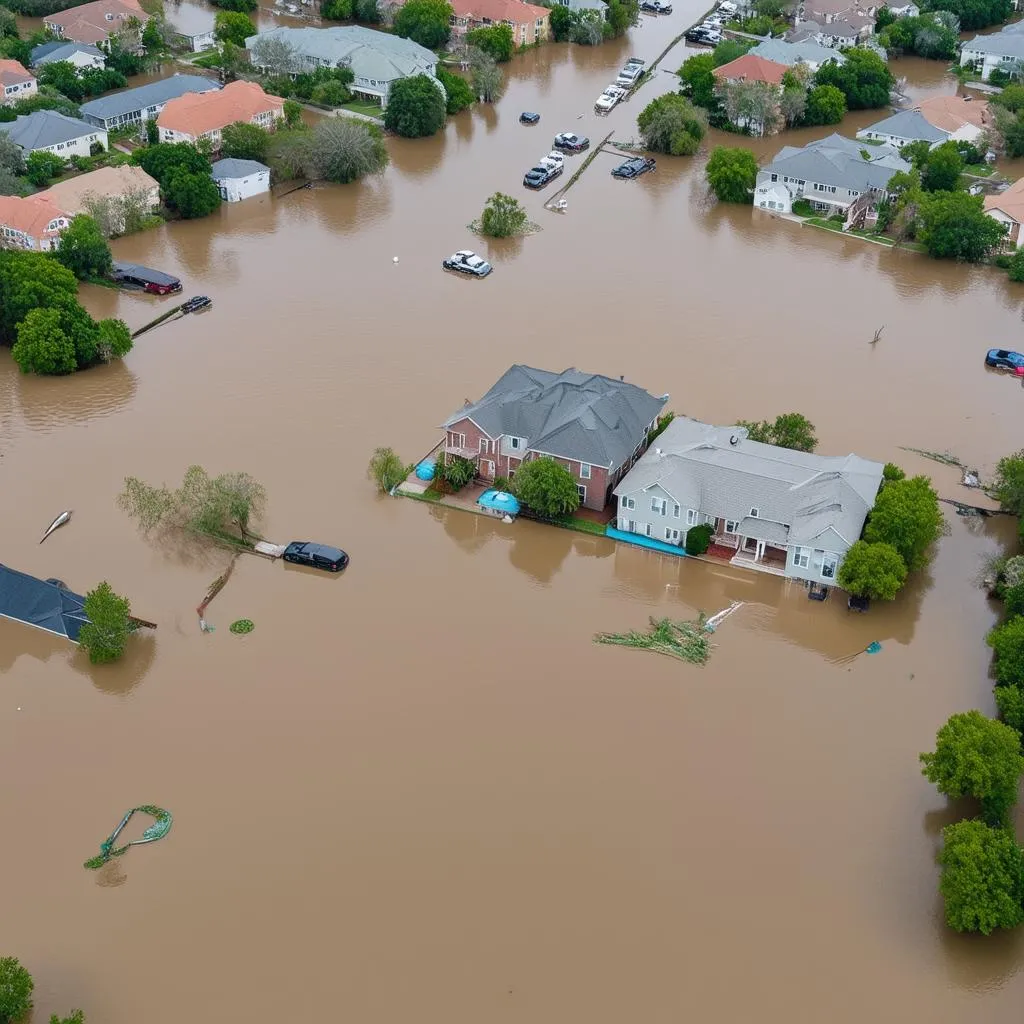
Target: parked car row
x: 609, y: 98
x: 631, y: 72
x: 656, y: 7
x: 709, y: 31
x: 545, y: 170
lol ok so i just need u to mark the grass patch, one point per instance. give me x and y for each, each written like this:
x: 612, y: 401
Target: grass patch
x: 207, y: 60
x: 581, y: 525
x: 979, y: 170
x: 364, y: 107
x: 431, y: 494
x: 870, y: 236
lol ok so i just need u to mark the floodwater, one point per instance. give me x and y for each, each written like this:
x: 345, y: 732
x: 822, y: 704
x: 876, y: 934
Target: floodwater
x: 418, y: 790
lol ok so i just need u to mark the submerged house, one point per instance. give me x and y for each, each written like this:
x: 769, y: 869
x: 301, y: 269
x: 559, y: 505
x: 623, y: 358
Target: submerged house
x: 596, y: 427
x: 45, y: 604
x: 791, y: 513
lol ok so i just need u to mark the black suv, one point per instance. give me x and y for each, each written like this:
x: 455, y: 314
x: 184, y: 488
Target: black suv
x: 634, y: 168
x: 316, y: 556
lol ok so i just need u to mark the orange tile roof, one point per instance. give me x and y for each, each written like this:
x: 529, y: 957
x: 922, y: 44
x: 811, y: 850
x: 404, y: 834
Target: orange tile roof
x: 951, y: 113
x: 1010, y: 202
x: 12, y: 73
x: 752, y: 68
x: 498, y: 11
x: 29, y: 215
x: 197, y: 113
x: 89, y: 24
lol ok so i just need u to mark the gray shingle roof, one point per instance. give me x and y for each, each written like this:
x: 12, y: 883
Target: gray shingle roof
x: 44, y: 128
x: 782, y: 52
x: 41, y: 603
x: 999, y: 44
x: 378, y: 56
x: 51, y: 53
x: 574, y: 415
x: 838, y: 161
x: 231, y: 167
x: 907, y: 124
x: 800, y: 498
x: 146, y: 96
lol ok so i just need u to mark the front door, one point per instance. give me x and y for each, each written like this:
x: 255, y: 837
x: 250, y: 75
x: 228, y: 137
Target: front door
x: 488, y: 468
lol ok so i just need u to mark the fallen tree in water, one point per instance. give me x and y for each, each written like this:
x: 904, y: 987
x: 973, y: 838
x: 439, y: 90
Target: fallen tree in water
x: 687, y: 641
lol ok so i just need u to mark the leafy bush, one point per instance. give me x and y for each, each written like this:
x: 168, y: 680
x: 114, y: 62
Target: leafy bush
x: 427, y: 22
x: 416, y: 106
x: 872, y: 570
x: 803, y: 208
x: 671, y: 124
x: 546, y: 487
x: 1007, y: 641
x: 503, y: 217
x: 457, y: 89
x: 387, y: 469
x: 457, y: 472
x: 106, y: 633
x: 42, y: 167
x: 732, y: 174
x: 906, y: 515
x: 15, y: 990
x: 698, y: 538
x: 495, y: 40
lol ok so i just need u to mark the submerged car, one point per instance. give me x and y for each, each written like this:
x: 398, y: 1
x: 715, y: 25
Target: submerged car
x: 316, y: 556
x: 1004, y: 359
x: 553, y: 159
x: 528, y: 117
x: 705, y: 35
x: 466, y: 262
x: 634, y: 168
x: 571, y: 142
x: 656, y: 7
x: 539, y: 176
x: 609, y: 98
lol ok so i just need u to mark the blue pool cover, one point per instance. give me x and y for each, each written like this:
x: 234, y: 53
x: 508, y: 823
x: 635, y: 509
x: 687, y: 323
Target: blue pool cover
x: 500, y: 501
x: 425, y: 470
x: 645, y: 542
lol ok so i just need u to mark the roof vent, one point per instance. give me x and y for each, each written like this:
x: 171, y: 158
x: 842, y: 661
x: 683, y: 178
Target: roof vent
x: 658, y: 452
x: 621, y: 377
x: 735, y: 439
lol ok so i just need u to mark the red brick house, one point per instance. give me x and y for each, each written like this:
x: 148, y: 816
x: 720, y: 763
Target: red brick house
x: 594, y: 426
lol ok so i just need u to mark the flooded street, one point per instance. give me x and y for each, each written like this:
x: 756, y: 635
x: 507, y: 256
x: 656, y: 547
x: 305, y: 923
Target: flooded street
x: 418, y: 791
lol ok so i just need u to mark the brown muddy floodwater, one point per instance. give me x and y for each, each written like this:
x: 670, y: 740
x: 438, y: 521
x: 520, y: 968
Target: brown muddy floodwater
x: 418, y: 791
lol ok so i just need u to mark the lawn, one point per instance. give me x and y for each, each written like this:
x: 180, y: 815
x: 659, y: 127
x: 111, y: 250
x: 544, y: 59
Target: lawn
x: 870, y: 236
x: 363, y: 107
x: 583, y: 525
x: 979, y: 170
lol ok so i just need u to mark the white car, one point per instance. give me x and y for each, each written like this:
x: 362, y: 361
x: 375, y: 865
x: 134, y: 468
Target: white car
x: 552, y: 160
x: 612, y: 95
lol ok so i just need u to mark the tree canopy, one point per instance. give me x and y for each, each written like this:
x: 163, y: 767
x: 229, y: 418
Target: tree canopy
x: 457, y: 89
x: 160, y: 160
x: 234, y: 27
x: 732, y: 174
x: 342, y: 150
x: 495, y: 40
x: 872, y: 570
x: 245, y: 141
x: 941, y: 168
x: 83, y: 249
x: 1007, y: 642
x: 671, y: 124
x: 192, y: 195
x: 865, y: 79
x: 954, y: 226
x: 973, y: 14
x: 426, y: 22
x: 546, y: 487
x: 15, y: 991
x: 978, y: 757
x: 926, y: 36
x: 105, y: 635
x: 416, y: 107
x: 825, y: 104
x: 503, y: 217
x: 982, y: 877
x: 698, y: 80
x: 1008, y: 485
x: 42, y: 167
x: 906, y: 515
x: 789, y: 430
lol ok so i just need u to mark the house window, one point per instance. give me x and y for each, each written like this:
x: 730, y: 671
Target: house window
x: 801, y: 557
x: 628, y: 502
x: 828, y: 566
x: 691, y: 517
x: 514, y: 442
x: 647, y: 529
x: 582, y: 492
x: 584, y: 470
x: 775, y: 177
x: 675, y: 511
x: 732, y: 526
x: 659, y: 505
x: 483, y: 445
x: 754, y: 513
x: 672, y: 536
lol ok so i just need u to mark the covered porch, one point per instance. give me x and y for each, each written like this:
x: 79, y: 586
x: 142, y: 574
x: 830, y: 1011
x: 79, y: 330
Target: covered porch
x: 752, y: 543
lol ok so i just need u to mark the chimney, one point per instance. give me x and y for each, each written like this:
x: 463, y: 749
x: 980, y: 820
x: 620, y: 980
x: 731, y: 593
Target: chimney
x: 621, y: 377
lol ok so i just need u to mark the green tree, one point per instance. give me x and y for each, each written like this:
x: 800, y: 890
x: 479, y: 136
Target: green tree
x: 1011, y: 98
x: 166, y: 157
x: 891, y: 472
x: 8, y: 24
x: 243, y: 6
x: 234, y: 27
x: 729, y: 49
x: 546, y: 487
x: 245, y: 141
x: 368, y: 11
x: 387, y: 469
x: 973, y: 14
x: 698, y: 80
x: 330, y: 94
x: 562, y: 21
x: 788, y: 430
x: 416, y: 106
x: 671, y: 124
x: 459, y: 94
x: 292, y: 114
x: 916, y: 152
x: 826, y: 104
x: 426, y: 22
x: 942, y: 168
x: 15, y: 991
x: 43, y: 346
x: 456, y: 471
x: 342, y: 150
x: 872, y: 570
x: 698, y: 538
x: 503, y: 217
x: 84, y: 250
x: 42, y: 167
x: 105, y: 636
x: 982, y: 877
x: 337, y: 10
x: 115, y: 340
x: 864, y: 79
x: 30, y: 280
x: 487, y: 77
x: 1008, y: 484
x: 1010, y: 702
x: 620, y: 16
x: 793, y: 105
x: 152, y: 131
x: 978, y: 757
x: 74, y: 1017
x: 906, y: 515
x: 154, y: 35
x: 1007, y: 641
x: 12, y: 158
x: 495, y: 40
x: 192, y: 195
x: 954, y: 226
x: 732, y: 174
x: 62, y: 75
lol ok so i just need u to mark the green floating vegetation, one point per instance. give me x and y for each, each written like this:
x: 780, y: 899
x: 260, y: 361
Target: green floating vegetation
x: 160, y: 827
x: 242, y: 626
x: 687, y: 641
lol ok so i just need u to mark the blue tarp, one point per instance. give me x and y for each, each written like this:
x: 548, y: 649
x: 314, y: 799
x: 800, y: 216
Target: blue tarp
x: 41, y: 603
x: 425, y: 470
x: 645, y: 542
x: 500, y: 501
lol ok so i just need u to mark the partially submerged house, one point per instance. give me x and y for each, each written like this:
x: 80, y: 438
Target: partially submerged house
x: 53, y: 132
x: 791, y: 513
x: 95, y: 22
x: 15, y: 82
x: 33, y: 223
x: 205, y: 115
x: 1003, y: 50
x: 116, y: 185
x: 239, y: 179
x: 81, y: 56
x: 811, y: 55
x: 45, y: 604
x: 831, y: 174
x: 1008, y: 208
x: 963, y: 118
x: 133, y: 106
x: 902, y: 128
x: 529, y: 23
x: 595, y: 426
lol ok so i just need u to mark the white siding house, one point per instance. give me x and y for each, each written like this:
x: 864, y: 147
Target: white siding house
x: 241, y: 179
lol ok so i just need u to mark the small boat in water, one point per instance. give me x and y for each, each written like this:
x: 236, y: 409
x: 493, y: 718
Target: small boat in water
x: 63, y: 518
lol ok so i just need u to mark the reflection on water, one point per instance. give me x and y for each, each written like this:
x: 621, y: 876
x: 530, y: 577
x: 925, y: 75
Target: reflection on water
x: 123, y: 676
x: 46, y: 403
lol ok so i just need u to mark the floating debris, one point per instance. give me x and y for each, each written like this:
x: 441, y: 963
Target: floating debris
x: 687, y: 641
x: 64, y: 517
x: 712, y: 624
x: 242, y: 626
x: 214, y: 589
x: 872, y: 648
x: 160, y: 827
x: 946, y: 458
